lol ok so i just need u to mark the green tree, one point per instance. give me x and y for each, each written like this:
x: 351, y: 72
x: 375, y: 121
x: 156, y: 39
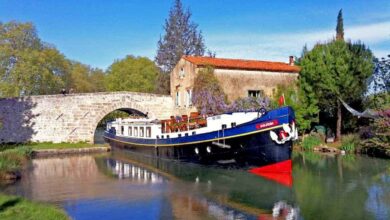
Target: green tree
x: 28, y: 66
x: 337, y: 70
x: 302, y: 99
x: 83, y: 78
x: 181, y: 38
x: 340, y: 26
x: 136, y: 74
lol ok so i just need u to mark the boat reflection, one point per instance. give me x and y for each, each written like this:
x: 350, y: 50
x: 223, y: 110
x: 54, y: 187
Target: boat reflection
x: 130, y: 171
x: 228, y: 193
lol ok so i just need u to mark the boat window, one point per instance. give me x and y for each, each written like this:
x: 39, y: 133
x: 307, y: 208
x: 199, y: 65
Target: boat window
x: 186, y: 134
x: 193, y: 133
x: 255, y: 93
x: 162, y: 136
x: 234, y: 124
x: 158, y: 137
x: 224, y: 126
x: 179, y: 135
x: 148, y: 132
x: 122, y: 130
x: 167, y: 136
x: 130, y: 131
x: 135, y: 131
x: 141, y: 131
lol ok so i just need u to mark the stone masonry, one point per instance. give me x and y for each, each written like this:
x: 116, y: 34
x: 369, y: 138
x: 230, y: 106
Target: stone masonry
x: 71, y: 117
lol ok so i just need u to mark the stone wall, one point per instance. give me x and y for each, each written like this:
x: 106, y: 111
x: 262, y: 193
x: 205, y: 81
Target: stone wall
x: 70, y: 118
x: 236, y: 83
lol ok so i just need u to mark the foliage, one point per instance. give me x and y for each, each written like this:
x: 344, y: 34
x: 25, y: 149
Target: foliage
x: 27, y: 65
x: 18, y: 208
x: 208, y: 96
x: 377, y: 101
x: 136, y: 74
x: 340, y: 26
x: 349, y: 142
x: 163, y: 83
x: 302, y: 100
x: 181, y: 38
x: 12, y: 160
x: 83, y: 78
x: 250, y: 104
x: 335, y: 70
x: 310, y: 142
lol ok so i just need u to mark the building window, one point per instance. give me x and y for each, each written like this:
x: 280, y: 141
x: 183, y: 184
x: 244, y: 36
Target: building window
x: 189, y: 97
x: 141, y: 131
x: 177, y: 101
x: 130, y: 131
x: 122, y: 130
x: 182, y: 73
x: 255, y: 93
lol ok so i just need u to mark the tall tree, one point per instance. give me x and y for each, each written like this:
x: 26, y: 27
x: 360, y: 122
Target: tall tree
x: 27, y: 65
x: 337, y: 70
x: 340, y: 26
x: 181, y: 38
x: 136, y: 74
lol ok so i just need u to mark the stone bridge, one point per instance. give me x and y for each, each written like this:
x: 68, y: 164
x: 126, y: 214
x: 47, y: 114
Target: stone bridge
x: 71, y: 117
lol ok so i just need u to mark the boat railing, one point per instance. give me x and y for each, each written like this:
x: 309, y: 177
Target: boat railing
x: 183, y: 123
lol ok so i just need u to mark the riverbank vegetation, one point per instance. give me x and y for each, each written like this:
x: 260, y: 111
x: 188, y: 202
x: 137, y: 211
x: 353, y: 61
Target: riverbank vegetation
x: 12, y: 161
x: 12, y: 207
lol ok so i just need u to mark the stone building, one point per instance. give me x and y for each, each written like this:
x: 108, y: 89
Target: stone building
x: 238, y: 78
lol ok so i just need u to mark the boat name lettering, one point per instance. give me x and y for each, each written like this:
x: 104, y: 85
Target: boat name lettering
x: 267, y: 124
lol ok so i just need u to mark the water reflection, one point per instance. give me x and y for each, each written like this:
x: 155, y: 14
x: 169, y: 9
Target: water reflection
x: 126, y: 170
x: 122, y: 185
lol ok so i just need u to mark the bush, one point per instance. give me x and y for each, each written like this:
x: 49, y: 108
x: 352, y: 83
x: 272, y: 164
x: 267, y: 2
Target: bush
x: 349, y: 142
x: 310, y: 142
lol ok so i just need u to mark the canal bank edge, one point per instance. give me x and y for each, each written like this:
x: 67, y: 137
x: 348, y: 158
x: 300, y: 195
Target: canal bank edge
x: 56, y: 152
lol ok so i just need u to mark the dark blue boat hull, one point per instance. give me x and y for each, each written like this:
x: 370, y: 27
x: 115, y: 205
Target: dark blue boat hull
x: 247, y: 144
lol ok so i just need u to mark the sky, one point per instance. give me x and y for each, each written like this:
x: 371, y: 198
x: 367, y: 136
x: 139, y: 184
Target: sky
x: 99, y: 32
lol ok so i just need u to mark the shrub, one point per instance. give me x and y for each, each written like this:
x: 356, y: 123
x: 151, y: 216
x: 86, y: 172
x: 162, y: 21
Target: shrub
x: 349, y: 142
x: 310, y: 142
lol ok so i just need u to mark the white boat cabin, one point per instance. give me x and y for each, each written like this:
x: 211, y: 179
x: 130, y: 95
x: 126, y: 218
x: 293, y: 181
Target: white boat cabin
x: 178, y: 127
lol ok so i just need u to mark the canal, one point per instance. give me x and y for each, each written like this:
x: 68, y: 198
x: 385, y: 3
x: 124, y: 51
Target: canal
x: 121, y: 185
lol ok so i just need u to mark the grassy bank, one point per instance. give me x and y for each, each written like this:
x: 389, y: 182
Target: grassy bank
x: 12, y: 161
x: 350, y: 143
x: 12, y: 207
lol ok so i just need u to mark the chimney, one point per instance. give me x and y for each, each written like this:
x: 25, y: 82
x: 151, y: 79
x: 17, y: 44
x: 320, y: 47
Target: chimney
x: 291, y: 60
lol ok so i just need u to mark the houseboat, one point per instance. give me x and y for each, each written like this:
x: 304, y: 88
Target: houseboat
x: 258, y: 138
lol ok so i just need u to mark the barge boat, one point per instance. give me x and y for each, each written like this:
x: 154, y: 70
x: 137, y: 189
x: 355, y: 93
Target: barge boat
x: 258, y: 138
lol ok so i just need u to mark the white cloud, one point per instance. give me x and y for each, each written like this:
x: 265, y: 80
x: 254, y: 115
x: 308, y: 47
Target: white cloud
x: 278, y: 47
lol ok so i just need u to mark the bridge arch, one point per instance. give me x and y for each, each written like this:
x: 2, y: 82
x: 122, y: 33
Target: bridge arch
x: 73, y: 117
x: 128, y: 107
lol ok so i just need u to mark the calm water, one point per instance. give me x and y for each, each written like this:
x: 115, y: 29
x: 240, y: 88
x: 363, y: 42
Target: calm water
x: 128, y: 186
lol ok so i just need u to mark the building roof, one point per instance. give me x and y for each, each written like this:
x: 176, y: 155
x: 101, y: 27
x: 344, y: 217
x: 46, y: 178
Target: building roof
x: 224, y: 63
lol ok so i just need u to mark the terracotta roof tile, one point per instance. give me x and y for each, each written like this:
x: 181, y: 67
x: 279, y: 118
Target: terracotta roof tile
x: 224, y: 63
